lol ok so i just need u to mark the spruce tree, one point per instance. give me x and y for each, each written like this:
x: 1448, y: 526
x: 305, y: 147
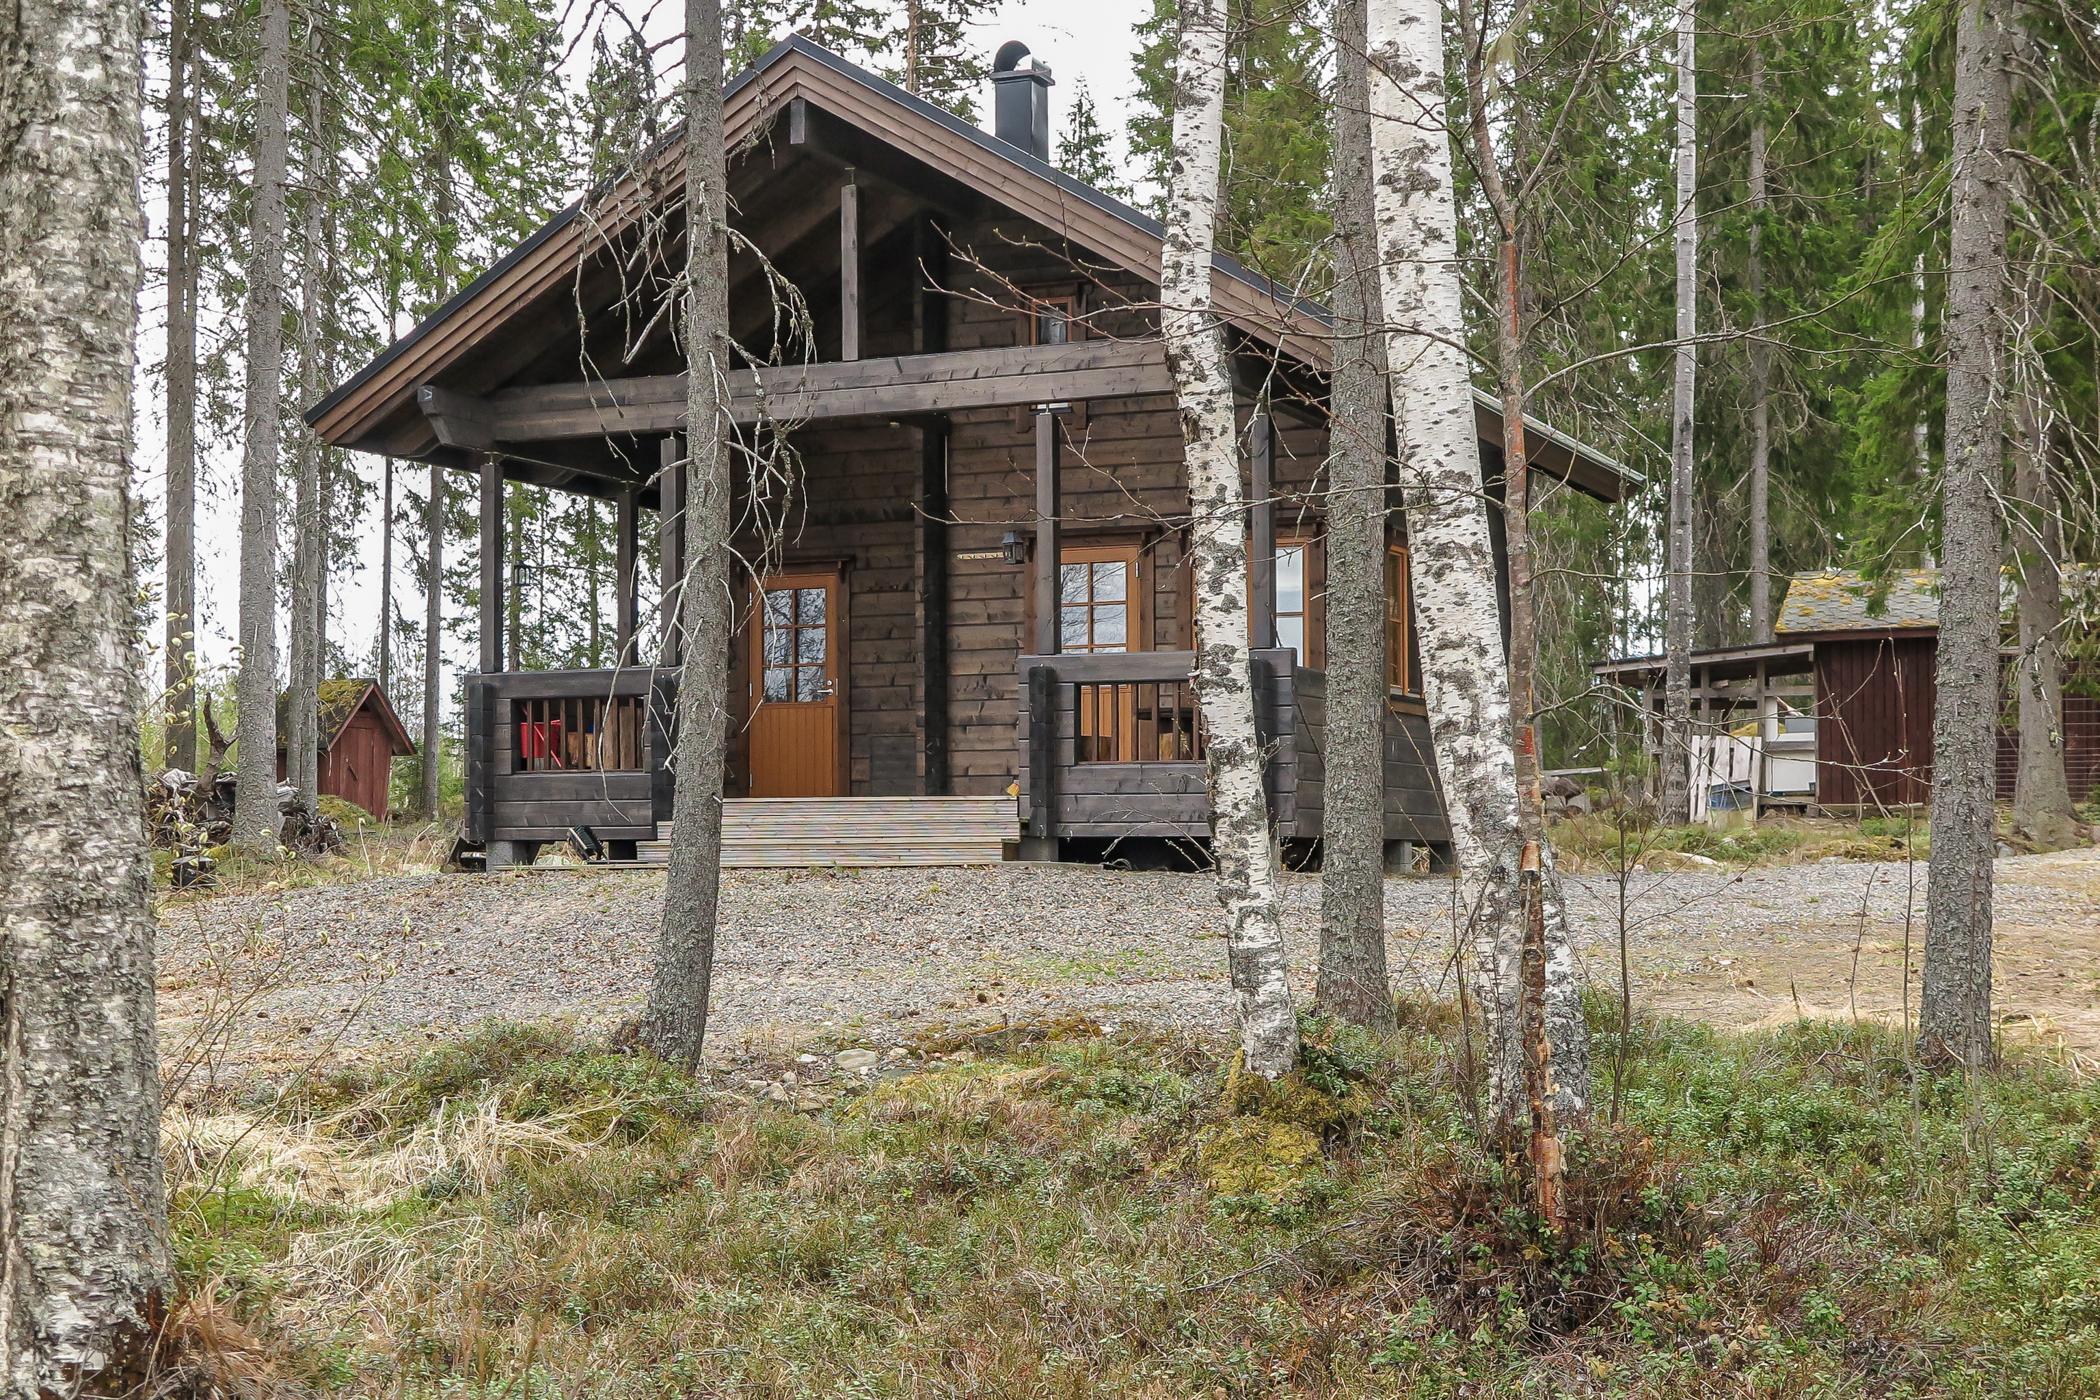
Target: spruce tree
x: 1082, y: 151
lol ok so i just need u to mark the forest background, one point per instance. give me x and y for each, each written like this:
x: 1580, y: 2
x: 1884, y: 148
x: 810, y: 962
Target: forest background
x: 428, y: 136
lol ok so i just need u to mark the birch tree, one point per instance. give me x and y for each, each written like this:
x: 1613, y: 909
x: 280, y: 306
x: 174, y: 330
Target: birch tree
x: 1555, y: 1035
x: 255, y: 792
x: 1222, y: 675
x: 674, y: 1024
x: 1954, y: 1024
x: 1450, y: 554
x: 83, y: 1264
x: 1352, y: 975
x: 1677, y: 601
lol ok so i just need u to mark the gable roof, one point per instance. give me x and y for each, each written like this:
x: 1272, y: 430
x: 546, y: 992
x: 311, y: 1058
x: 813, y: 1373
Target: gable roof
x: 1844, y: 600
x: 341, y: 700
x: 993, y: 168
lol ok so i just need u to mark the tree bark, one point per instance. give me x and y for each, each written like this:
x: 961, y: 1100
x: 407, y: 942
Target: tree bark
x: 1761, y: 620
x: 302, y: 742
x: 384, y: 643
x: 1677, y: 605
x: 674, y: 1024
x: 1223, y: 674
x: 1465, y: 679
x: 1954, y: 1024
x: 433, y: 640
x: 2041, y: 806
x: 1352, y: 976
x: 255, y: 731
x: 180, y: 649
x: 1557, y: 1061
x: 83, y: 1263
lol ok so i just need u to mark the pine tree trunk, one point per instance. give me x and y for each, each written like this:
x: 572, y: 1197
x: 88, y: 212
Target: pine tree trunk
x: 180, y: 750
x: 2041, y: 806
x: 674, y: 1024
x: 1761, y: 619
x: 302, y: 742
x: 433, y: 639
x: 255, y: 795
x: 384, y: 643
x: 1352, y: 977
x: 83, y: 1263
x: 1954, y: 1024
x: 1677, y: 602
x: 1223, y: 673
x: 1465, y: 679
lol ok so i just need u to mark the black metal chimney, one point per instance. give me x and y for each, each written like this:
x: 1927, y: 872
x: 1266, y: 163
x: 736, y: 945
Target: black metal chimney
x: 1021, y: 100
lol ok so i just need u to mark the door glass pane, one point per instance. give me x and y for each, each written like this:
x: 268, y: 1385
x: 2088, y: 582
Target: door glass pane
x: 1071, y: 631
x: 1290, y: 632
x: 780, y: 608
x: 776, y: 643
x: 1109, y: 628
x: 809, y: 683
x: 809, y: 644
x: 809, y: 606
x: 1071, y: 583
x: 778, y: 680
x: 1108, y: 582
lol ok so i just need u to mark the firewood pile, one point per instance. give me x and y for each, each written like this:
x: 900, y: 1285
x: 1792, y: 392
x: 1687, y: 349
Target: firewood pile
x: 191, y: 814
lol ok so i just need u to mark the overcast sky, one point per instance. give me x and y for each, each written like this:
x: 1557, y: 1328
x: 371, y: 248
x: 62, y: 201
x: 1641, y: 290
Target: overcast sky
x: 1078, y: 39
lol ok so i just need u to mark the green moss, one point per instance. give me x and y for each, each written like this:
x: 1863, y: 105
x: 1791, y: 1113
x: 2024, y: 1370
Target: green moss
x: 1257, y: 1157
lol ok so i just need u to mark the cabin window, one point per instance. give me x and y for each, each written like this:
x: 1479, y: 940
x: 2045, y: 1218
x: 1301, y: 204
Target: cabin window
x: 1402, y: 671
x: 1293, y: 590
x: 1097, y: 588
x: 579, y: 734
x: 1053, y: 321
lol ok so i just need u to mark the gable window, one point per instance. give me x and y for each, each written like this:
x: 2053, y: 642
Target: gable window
x: 1053, y: 321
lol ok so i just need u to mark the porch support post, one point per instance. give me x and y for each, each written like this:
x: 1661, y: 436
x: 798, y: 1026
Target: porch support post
x: 491, y: 469
x: 849, y: 268
x: 1261, y: 452
x: 625, y: 530
x: 931, y: 530
x: 670, y: 556
x: 1047, y: 511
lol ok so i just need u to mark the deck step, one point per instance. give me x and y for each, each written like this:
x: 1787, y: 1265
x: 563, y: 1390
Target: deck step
x: 791, y: 832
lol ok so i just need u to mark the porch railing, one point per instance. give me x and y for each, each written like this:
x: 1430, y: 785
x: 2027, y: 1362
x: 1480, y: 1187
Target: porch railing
x: 551, y: 750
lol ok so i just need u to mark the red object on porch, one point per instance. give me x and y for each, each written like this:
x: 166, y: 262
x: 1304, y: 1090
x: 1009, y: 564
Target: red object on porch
x: 540, y: 739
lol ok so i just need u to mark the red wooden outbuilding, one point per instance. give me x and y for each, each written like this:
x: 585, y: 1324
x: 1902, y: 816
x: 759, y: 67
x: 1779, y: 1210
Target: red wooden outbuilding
x: 360, y: 737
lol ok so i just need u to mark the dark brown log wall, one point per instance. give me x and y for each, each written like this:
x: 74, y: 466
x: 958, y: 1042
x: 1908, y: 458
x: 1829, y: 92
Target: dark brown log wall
x: 1874, y: 706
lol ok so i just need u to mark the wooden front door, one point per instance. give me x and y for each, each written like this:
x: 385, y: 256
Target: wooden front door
x: 798, y: 686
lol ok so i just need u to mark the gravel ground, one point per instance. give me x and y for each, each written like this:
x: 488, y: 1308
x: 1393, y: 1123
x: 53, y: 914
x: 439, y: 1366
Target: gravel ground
x: 263, y: 984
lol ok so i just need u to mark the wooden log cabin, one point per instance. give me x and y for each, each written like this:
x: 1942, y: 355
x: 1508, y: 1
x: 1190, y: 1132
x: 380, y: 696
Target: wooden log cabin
x: 977, y: 587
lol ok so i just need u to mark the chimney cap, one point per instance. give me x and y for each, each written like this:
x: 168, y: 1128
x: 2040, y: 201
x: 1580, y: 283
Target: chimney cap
x: 1006, y: 65
x: 1009, y: 56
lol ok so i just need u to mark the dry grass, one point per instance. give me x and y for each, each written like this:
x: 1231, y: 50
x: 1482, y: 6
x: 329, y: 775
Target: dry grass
x: 371, y: 850
x: 1785, y: 1214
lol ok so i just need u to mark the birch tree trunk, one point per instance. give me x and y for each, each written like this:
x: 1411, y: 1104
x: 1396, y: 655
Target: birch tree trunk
x: 1222, y: 677
x: 1761, y: 620
x: 82, y: 1218
x: 1352, y: 977
x: 1451, y: 558
x: 302, y: 743
x: 1677, y: 602
x: 1954, y: 1024
x: 674, y: 1024
x: 255, y: 791
x: 180, y: 647
x: 1556, y: 1059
